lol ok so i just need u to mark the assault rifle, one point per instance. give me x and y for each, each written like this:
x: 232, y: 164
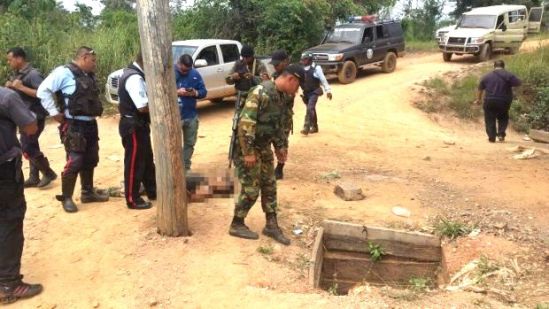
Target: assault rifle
x: 234, y: 136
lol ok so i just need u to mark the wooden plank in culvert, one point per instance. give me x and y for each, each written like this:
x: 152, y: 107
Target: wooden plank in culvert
x: 343, y: 286
x: 539, y: 136
x: 315, y: 269
x: 394, y: 248
x: 358, y: 268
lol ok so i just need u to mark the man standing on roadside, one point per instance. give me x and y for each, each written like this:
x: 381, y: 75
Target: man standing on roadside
x: 259, y: 126
x: 496, y: 88
x: 136, y: 136
x: 190, y: 87
x: 280, y: 62
x: 314, y: 77
x: 13, y: 114
x: 75, y: 85
x: 25, y: 80
x: 246, y: 73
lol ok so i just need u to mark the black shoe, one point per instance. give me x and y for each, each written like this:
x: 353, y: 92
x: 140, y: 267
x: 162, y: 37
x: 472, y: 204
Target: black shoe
x: 89, y: 194
x: 34, y: 177
x: 48, y: 174
x: 68, y: 204
x: 492, y: 140
x: 12, y: 291
x: 239, y: 229
x: 501, y: 138
x: 305, y: 131
x: 67, y: 189
x: 273, y: 230
x: 314, y: 129
x: 279, y: 171
x: 139, y: 205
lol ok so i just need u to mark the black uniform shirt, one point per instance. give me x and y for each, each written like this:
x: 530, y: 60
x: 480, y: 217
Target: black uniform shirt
x: 498, y: 85
x: 13, y: 113
x: 30, y: 77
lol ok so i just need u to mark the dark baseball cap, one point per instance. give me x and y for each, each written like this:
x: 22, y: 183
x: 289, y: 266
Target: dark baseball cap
x: 247, y: 51
x: 296, y: 70
x: 278, y: 57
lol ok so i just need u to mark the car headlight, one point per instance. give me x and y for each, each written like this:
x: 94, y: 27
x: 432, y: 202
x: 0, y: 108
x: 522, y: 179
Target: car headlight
x: 335, y: 57
x: 477, y: 40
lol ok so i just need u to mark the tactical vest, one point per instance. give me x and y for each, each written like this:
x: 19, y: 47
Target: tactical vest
x: 33, y: 103
x: 245, y: 84
x: 310, y: 82
x: 269, y: 114
x: 85, y: 99
x: 126, y: 107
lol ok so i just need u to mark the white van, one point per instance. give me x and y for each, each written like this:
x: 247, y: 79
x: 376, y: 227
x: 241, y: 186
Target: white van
x: 485, y: 29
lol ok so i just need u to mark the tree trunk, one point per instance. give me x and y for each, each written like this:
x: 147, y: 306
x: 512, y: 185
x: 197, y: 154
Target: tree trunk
x: 154, y: 29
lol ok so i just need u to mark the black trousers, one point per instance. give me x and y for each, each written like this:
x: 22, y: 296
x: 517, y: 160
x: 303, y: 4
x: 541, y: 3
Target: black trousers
x: 81, y: 140
x: 496, y: 111
x: 310, y: 99
x: 29, y: 143
x: 12, y: 213
x: 138, y: 160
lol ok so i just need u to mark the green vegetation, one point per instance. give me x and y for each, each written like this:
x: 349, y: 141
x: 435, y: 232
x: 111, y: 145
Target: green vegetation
x: 542, y: 306
x: 530, y: 109
x: 376, y: 252
x: 451, y: 229
x: 486, y: 266
x: 419, y: 284
x: 266, y: 250
x: 333, y: 289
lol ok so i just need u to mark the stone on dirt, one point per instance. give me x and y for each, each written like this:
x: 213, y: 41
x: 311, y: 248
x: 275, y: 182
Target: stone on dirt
x: 349, y: 192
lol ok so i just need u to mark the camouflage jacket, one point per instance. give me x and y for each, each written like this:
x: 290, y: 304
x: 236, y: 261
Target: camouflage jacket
x: 288, y: 113
x: 260, y: 123
x: 245, y: 84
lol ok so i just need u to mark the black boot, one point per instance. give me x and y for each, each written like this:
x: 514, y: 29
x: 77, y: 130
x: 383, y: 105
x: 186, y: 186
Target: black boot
x: 34, y: 176
x: 89, y: 194
x: 279, y: 171
x: 314, y: 129
x: 273, y: 230
x: 67, y: 188
x: 139, y: 204
x: 12, y: 291
x: 239, y: 229
x: 48, y: 175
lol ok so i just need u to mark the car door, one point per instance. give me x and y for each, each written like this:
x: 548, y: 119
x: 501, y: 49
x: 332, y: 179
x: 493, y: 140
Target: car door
x: 212, y: 70
x: 499, y: 33
x: 516, y: 28
x: 366, y: 54
x: 230, y: 53
x: 534, y: 19
x: 380, y: 46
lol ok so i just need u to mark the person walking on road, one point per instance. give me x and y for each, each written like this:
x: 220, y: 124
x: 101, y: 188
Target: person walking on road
x: 496, y: 90
x: 311, y: 86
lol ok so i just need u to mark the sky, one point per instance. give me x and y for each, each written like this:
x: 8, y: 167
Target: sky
x: 95, y: 4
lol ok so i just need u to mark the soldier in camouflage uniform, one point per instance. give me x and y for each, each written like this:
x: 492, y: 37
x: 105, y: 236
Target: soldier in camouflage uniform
x: 247, y: 72
x: 280, y: 62
x: 259, y: 126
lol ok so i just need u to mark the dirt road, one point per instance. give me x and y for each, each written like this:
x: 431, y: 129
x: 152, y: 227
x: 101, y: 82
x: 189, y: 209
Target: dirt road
x: 110, y: 257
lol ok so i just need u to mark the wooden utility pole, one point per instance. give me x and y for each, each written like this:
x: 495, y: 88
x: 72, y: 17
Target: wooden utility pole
x: 156, y: 45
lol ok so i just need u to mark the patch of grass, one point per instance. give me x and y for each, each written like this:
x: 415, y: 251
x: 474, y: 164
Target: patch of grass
x: 451, y: 229
x: 419, y: 284
x: 437, y: 84
x: 542, y: 306
x: 376, y: 252
x: 331, y: 175
x: 266, y: 250
x: 333, y: 289
x: 486, y: 266
x: 462, y: 95
x: 302, y: 262
x: 421, y: 46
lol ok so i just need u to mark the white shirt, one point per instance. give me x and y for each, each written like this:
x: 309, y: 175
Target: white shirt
x: 137, y: 89
x: 320, y: 75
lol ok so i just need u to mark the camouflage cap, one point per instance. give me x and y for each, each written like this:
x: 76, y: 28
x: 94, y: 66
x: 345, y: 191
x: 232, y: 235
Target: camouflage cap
x: 296, y: 70
x: 278, y: 57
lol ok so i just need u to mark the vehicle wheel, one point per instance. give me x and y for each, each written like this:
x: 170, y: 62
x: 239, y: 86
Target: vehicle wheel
x: 389, y: 63
x: 347, y: 74
x: 485, y: 53
x: 447, y: 57
x: 217, y: 100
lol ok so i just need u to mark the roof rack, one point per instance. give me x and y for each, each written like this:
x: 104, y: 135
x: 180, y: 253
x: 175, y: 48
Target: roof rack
x: 370, y: 19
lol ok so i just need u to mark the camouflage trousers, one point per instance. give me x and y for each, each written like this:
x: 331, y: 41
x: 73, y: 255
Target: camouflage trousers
x: 259, y: 179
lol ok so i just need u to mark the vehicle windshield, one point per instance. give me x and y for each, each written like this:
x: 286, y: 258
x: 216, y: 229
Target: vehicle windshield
x: 477, y: 21
x: 344, y: 35
x: 179, y: 50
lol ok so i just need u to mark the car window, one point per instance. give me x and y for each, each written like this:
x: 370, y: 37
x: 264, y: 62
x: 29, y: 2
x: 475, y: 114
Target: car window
x: 210, y: 55
x: 394, y: 29
x: 379, y: 32
x: 368, y: 35
x: 499, y: 23
x: 179, y: 50
x: 516, y: 16
x: 230, y: 52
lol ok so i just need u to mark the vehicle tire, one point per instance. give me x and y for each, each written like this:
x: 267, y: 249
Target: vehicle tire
x: 347, y: 74
x: 389, y: 63
x: 485, y: 53
x: 447, y: 57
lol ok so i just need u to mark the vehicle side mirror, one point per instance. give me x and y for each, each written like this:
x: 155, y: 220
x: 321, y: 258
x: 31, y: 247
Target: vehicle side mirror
x: 200, y: 63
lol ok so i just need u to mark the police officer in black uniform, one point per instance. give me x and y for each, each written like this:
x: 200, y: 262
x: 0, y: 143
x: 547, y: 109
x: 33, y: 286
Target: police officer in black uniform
x: 13, y: 113
x: 76, y: 85
x: 25, y: 80
x: 136, y: 136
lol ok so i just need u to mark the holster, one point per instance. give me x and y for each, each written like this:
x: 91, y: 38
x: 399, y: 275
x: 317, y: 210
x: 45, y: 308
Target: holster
x: 73, y: 141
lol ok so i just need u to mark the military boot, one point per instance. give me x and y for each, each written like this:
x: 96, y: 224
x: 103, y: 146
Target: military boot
x: 89, y: 194
x: 34, y: 176
x: 273, y: 230
x: 314, y: 129
x: 48, y: 175
x: 305, y: 130
x: 67, y: 190
x: 239, y: 229
x: 11, y: 291
x: 279, y: 171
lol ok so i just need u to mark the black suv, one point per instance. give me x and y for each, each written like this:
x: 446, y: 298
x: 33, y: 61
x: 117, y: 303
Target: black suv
x: 359, y: 43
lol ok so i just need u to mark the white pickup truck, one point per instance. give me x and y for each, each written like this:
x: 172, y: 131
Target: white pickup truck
x: 213, y: 59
